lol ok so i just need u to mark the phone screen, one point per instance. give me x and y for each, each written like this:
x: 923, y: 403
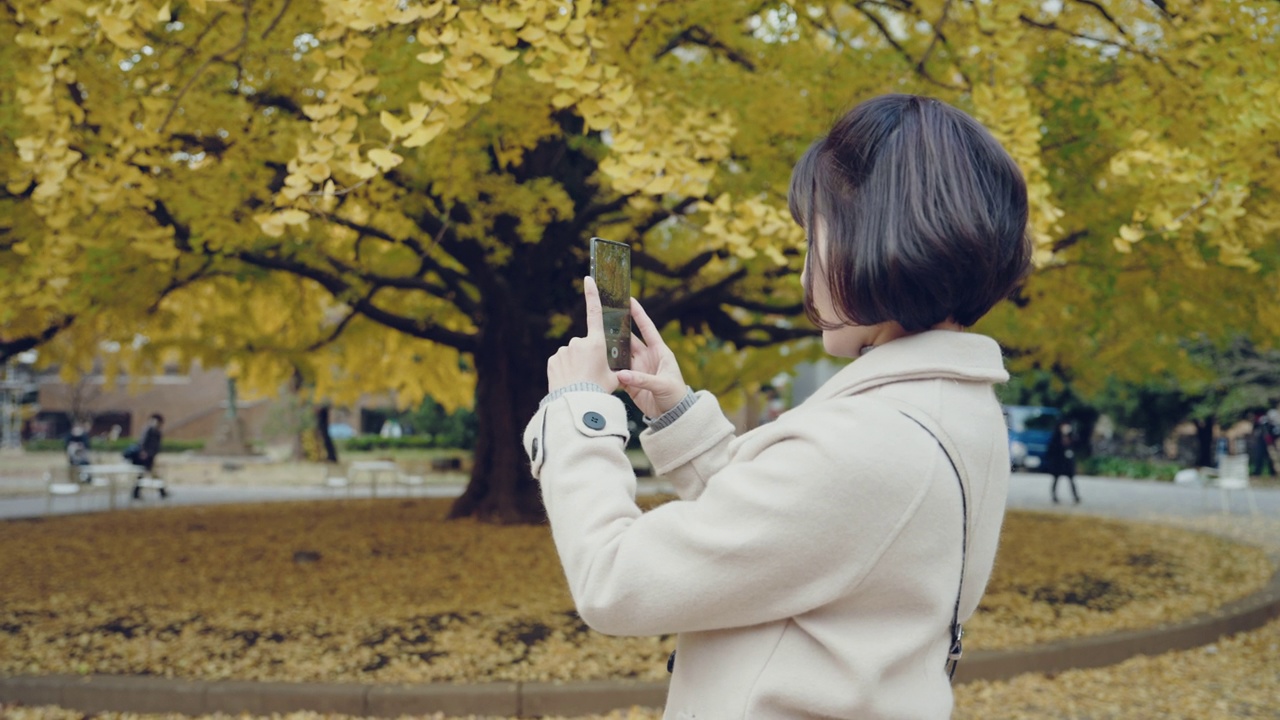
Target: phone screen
x: 611, y: 269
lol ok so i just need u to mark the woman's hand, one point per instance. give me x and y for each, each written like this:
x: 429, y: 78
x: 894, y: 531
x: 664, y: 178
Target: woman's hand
x: 654, y: 381
x: 584, y: 358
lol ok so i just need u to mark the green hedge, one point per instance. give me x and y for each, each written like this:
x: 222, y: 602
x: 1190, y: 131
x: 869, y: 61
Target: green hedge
x: 98, y: 445
x: 377, y: 442
x: 1128, y: 468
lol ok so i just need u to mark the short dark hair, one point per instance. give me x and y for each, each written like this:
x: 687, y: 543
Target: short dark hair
x: 924, y: 215
x: 158, y: 418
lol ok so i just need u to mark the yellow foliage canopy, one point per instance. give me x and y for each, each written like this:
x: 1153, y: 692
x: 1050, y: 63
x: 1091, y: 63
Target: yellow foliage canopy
x: 292, y: 186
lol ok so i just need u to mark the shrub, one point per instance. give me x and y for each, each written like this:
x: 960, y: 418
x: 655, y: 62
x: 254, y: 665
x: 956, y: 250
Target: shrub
x: 1109, y: 466
x: 100, y: 445
x: 377, y: 442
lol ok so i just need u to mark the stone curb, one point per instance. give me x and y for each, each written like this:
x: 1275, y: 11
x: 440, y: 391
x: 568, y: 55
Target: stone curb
x: 100, y: 693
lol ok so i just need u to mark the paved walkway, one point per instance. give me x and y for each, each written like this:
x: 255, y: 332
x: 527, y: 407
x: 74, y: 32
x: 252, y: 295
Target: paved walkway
x: 1112, y: 497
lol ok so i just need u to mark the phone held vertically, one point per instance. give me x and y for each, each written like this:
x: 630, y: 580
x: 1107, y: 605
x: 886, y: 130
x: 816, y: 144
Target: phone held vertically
x: 611, y: 269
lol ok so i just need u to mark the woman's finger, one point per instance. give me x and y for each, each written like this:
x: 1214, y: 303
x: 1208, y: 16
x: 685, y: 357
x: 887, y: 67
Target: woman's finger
x: 595, y: 314
x: 647, y: 329
x: 638, y: 346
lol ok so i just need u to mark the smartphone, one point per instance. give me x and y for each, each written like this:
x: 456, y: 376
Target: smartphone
x: 611, y: 269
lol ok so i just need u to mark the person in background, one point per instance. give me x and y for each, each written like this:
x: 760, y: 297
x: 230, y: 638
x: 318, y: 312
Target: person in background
x: 78, y: 447
x: 148, y: 449
x: 1261, y: 441
x: 1060, y: 460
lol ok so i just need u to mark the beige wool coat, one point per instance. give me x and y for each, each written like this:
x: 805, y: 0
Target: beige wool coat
x: 810, y: 566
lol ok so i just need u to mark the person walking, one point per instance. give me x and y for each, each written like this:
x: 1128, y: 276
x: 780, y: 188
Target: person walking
x: 1261, y: 441
x: 146, y: 453
x: 818, y: 565
x: 1060, y: 460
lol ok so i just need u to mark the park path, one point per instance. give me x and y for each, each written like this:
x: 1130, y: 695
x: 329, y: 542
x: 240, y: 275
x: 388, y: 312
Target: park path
x: 1109, y: 497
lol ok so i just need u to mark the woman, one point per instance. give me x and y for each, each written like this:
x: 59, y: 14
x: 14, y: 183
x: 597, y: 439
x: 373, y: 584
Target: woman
x: 812, y: 566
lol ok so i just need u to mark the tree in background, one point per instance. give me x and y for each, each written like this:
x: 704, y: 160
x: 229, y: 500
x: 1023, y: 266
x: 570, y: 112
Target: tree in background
x: 398, y: 195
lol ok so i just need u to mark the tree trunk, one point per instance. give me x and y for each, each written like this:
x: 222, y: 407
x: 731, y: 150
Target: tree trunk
x: 322, y: 434
x: 510, y: 380
x: 1204, y: 443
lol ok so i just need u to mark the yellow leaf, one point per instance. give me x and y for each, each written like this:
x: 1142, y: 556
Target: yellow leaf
x: 559, y: 24
x: 502, y: 56
x: 363, y: 170
x: 384, y: 159
x: 164, y: 15
x: 431, y: 10
x: 365, y: 84
x: 1131, y: 234
x: 431, y: 57
x: 561, y: 100
x: 660, y: 185
x: 320, y: 112
x: 318, y: 172
x: 423, y: 135
x: 293, y: 216
x: 395, y: 127
x: 532, y: 34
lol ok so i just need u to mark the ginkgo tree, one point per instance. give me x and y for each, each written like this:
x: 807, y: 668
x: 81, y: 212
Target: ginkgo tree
x: 399, y: 194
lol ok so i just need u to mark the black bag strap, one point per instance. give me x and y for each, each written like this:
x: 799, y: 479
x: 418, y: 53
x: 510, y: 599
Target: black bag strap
x: 953, y: 457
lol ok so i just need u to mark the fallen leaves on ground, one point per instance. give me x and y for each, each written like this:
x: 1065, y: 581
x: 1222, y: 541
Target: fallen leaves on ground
x: 195, y: 559
x: 1237, y: 677
x: 388, y: 591
x: 1060, y: 576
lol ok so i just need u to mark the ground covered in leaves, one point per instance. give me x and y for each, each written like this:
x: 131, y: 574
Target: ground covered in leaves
x: 388, y: 591
x: 1236, y: 678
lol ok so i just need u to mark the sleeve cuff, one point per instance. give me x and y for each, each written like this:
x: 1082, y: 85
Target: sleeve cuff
x: 674, y: 413
x: 575, y: 387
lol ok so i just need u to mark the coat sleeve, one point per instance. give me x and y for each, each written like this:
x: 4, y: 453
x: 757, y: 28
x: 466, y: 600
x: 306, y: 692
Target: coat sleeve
x: 791, y: 529
x: 691, y: 449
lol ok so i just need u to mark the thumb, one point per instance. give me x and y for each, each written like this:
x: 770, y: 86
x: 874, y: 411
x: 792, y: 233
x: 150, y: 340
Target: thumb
x: 660, y: 387
x: 631, y: 378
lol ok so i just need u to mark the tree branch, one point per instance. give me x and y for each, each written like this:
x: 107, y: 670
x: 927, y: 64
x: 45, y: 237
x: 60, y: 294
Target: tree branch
x: 274, y: 21
x: 1068, y: 240
x: 644, y: 261
x: 1103, y: 12
x: 1054, y: 27
x: 887, y: 36
x: 337, y: 330
x: 12, y: 348
x: 454, y: 289
x: 663, y: 214
x: 698, y: 35
x: 221, y: 57
x: 340, y: 289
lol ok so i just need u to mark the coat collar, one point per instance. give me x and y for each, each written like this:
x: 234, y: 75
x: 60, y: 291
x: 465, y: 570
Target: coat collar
x: 933, y: 354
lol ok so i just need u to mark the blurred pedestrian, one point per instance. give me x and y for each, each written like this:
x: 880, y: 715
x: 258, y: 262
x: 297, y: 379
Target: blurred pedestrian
x: 1060, y: 460
x: 1261, y: 441
x: 146, y: 452
x: 78, y: 445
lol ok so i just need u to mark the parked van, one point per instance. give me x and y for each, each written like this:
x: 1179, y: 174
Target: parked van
x: 1030, y: 428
